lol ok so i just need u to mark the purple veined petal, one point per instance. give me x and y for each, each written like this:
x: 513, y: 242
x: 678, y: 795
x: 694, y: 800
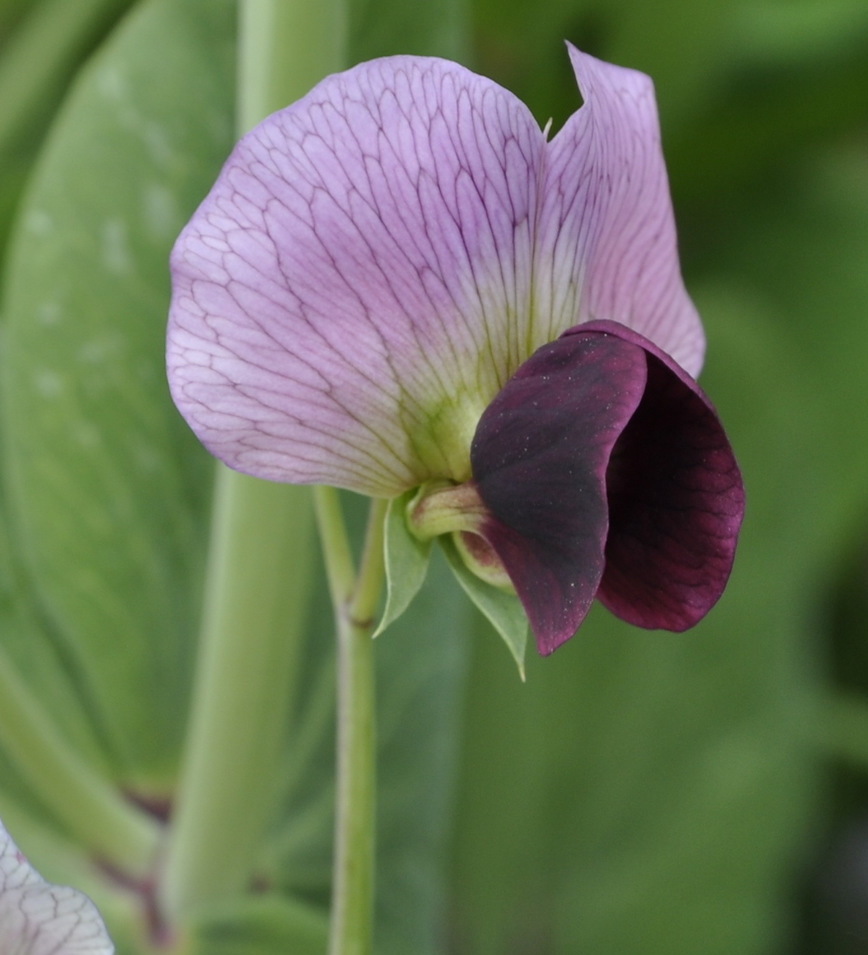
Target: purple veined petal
x: 355, y: 288
x: 676, y: 501
x: 540, y: 458
x: 607, y: 246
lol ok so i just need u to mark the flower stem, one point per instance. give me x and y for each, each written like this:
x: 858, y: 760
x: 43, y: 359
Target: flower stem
x: 337, y: 554
x: 88, y: 804
x: 355, y: 601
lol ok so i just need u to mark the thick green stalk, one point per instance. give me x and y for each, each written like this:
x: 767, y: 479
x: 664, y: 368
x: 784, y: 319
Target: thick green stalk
x: 355, y: 603
x: 92, y: 808
x: 253, y: 625
x: 259, y: 565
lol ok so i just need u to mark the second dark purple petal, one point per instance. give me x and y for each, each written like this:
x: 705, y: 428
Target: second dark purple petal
x: 676, y: 501
x: 540, y: 458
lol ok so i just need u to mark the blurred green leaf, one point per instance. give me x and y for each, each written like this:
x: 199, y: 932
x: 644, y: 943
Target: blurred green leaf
x: 385, y: 27
x: 800, y: 31
x: 29, y: 646
x: 11, y: 12
x: 44, y: 44
x: 684, y: 47
x: 421, y: 682
x: 797, y: 245
x: 108, y: 487
x: 261, y: 925
x: 42, y: 52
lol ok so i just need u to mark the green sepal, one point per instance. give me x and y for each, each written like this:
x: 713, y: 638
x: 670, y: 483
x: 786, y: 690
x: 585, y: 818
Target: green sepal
x: 503, y: 610
x: 406, y: 561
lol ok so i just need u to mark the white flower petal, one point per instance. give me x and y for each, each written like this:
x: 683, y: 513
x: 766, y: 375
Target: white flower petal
x: 37, y: 918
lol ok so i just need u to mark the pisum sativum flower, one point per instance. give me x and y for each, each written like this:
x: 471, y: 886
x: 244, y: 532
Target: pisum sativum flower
x: 400, y: 281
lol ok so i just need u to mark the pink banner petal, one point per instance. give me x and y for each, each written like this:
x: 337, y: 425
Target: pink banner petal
x: 354, y: 290
x: 606, y: 245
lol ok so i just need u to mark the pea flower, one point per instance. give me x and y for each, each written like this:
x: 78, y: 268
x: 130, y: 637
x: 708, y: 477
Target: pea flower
x: 400, y: 281
x: 37, y: 918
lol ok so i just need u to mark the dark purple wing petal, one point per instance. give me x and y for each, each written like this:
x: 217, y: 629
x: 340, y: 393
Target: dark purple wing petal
x: 540, y: 457
x: 676, y: 501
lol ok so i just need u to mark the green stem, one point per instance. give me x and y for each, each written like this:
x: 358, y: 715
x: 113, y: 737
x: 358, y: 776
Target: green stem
x: 355, y: 604
x: 335, y: 543
x: 255, y: 602
x: 88, y: 804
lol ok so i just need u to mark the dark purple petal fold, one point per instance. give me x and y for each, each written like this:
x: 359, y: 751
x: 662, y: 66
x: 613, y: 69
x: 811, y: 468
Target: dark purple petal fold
x: 607, y: 473
x: 676, y: 502
x: 540, y: 457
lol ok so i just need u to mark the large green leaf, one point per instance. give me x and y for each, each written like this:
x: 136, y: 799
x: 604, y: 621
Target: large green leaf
x: 108, y: 487
x: 29, y: 648
x: 261, y: 925
x: 42, y: 46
